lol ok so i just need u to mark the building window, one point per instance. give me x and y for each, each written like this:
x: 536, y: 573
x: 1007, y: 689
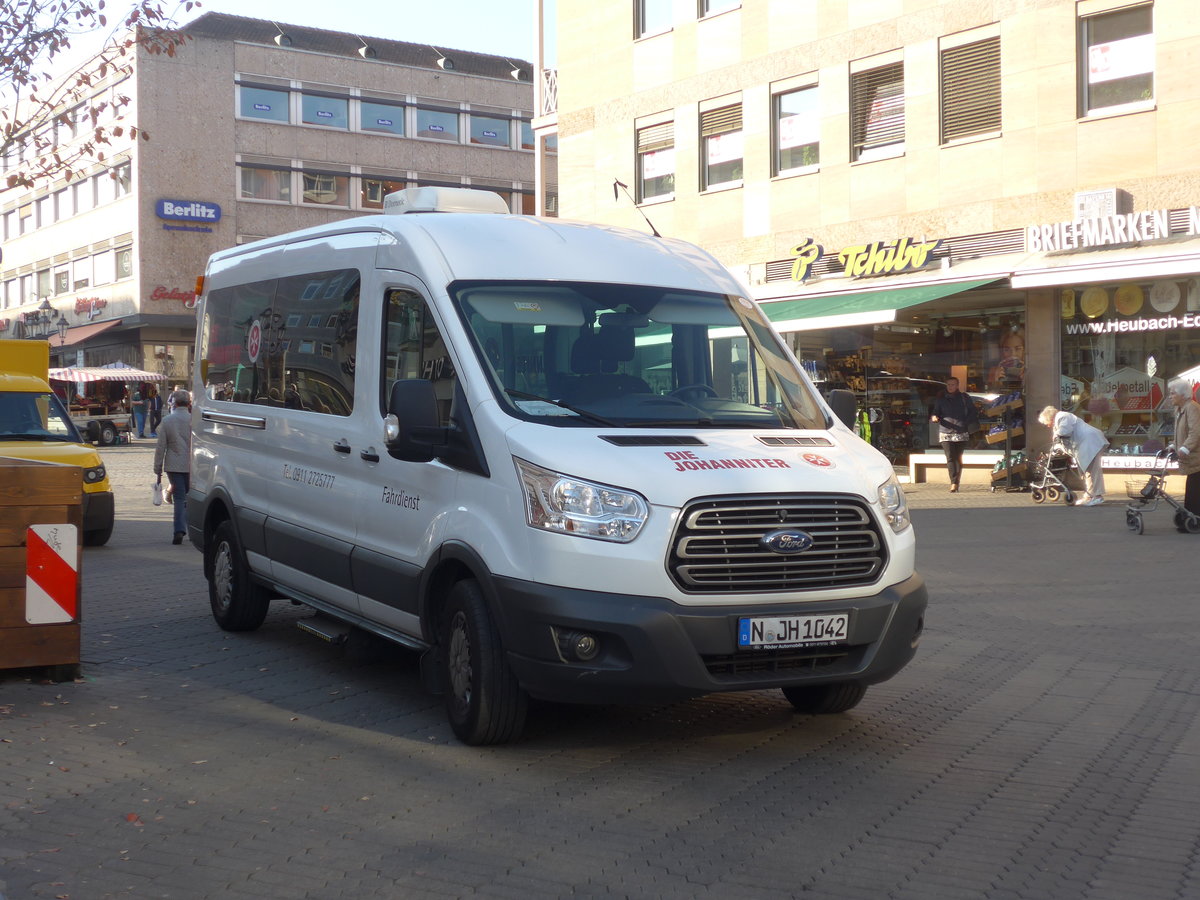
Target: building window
x: 797, y: 130
x: 332, y: 112
x: 42, y: 283
x: 651, y: 17
x: 970, y: 89
x: 263, y: 103
x: 123, y: 179
x: 488, y: 130
x: 64, y: 206
x: 387, y: 118
x: 375, y: 189
x: 1118, y: 59
x: 85, y: 195
x: 721, y: 146
x: 124, y: 263
x: 81, y: 273
x: 45, y: 210
x: 712, y: 7
x: 656, y: 161
x: 327, y: 189
x: 102, y: 268
x: 437, y: 123
x: 62, y: 281
x: 877, y: 112
x: 527, y: 141
x: 266, y: 184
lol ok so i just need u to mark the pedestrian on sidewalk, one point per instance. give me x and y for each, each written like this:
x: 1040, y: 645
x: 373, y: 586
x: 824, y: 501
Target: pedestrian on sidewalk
x: 154, y: 410
x: 173, y: 453
x: 138, y: 402
x: 1187, y: 442
x: 1084, y: 442
x: 956, y: 417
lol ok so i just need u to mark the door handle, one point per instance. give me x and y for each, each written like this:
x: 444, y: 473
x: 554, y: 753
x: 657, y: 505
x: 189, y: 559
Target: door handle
x: 369, y: 455
x: 342, y: 446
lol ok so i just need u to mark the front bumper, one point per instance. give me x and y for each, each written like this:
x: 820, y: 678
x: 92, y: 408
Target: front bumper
x: 98, y: 510
x: 653, y: 650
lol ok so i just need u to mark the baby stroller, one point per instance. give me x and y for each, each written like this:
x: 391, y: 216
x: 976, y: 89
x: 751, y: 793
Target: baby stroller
x: 1046, y: 471
x: 1147, y: 495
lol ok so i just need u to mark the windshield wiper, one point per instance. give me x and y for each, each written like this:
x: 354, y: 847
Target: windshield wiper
x: 590, y: 416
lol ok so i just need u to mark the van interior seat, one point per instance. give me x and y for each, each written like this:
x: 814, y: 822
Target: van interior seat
x: 594, y: 358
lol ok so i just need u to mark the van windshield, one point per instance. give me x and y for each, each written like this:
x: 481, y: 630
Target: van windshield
x: 572, y: 353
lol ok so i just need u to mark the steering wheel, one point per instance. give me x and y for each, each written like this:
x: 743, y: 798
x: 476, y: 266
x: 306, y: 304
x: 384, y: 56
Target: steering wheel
x: 689, y: 389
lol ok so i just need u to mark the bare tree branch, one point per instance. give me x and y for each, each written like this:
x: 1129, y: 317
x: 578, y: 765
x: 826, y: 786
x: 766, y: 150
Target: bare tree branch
x: 52, y: 118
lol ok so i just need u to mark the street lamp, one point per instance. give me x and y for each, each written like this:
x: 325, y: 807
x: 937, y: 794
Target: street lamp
x: 62, y: 325
x: 38, y: 321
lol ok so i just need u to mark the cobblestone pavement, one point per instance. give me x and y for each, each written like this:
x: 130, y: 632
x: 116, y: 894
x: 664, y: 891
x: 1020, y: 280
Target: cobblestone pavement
x: 1044, y: 744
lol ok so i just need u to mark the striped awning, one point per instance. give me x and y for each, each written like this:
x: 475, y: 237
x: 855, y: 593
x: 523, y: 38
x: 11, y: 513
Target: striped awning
x: 111, y: 372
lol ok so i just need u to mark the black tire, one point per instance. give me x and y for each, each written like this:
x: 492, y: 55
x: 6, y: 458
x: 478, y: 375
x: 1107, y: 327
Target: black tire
x: 97, y: 537
x: 825, y: 699
x: 238, y: 604
x: 1068, y: 496
x: 1037, y: 496
x: 1134, y: 522
x: 1052, y: 494
x: 484, y: 702
x: 1192, y: 524
x: 108, y: 434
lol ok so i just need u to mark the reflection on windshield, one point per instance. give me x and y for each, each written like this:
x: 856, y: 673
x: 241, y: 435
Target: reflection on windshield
x: 576, y: 353
x: 33, y: 417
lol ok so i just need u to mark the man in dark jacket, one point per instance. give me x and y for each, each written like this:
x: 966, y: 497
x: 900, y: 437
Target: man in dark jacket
x: 956, y: 417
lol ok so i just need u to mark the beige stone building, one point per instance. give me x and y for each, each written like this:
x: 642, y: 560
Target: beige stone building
x: 1002, y: 190
x: 256, y: 128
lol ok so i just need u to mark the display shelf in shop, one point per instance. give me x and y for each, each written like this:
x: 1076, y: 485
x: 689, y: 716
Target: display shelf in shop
x: 1018, y: 469
x: 1000, y: 436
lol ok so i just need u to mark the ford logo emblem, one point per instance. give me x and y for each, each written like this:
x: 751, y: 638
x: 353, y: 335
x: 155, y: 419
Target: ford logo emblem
x: 786, y: 542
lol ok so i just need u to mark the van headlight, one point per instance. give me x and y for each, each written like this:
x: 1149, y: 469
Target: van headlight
x: 894, y: 504
x: 94, y: 475
x: 567, y: 505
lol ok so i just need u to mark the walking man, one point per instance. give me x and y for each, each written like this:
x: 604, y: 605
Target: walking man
x: 173, y: 453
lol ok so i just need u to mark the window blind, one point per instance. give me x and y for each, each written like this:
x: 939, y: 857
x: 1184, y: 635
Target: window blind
x: 720, y: 121
x: 877, y: 107
x: 970, y: 89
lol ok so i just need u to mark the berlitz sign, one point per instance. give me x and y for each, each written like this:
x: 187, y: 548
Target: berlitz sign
x: 188, y: 211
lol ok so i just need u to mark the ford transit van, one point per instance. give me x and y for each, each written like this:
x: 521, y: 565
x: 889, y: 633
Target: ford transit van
x: 559, y: 460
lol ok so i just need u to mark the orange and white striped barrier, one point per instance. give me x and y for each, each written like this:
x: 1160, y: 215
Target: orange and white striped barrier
x: 51, y: 574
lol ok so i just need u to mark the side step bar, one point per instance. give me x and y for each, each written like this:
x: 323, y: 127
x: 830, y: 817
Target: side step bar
x: 329, y: 630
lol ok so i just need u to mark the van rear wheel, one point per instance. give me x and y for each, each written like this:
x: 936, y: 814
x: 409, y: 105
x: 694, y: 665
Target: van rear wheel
x: 237, y: 603
x: 824, y: 699
x: 484, y: 702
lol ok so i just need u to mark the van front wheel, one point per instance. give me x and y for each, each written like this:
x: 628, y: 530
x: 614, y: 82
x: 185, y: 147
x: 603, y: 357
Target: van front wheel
x: 484, y: 702
x: 824, y: 699
x: 237, y: 603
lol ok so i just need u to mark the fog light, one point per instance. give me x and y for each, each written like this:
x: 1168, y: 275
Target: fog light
x: 576, y: 646
x: 916, y: 638
x: 585, y: 647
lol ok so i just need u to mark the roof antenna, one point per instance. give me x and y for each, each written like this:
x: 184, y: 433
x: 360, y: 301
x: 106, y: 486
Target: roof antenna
x: 617, y: 196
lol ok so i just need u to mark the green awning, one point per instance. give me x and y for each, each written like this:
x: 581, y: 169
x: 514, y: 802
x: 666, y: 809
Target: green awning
x: 863, y: 308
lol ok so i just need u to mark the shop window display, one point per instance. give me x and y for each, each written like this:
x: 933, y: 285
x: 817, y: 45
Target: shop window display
x: 1122, y: 343
x: 899, y: 369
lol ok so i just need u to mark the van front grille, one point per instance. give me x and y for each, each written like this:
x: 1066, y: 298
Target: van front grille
x: 718, y: 545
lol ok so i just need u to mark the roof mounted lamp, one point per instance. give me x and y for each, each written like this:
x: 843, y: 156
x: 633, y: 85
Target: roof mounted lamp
x: 514, y: 70
x: 366, y: 51
x: 282, y: 39
x: 443, y: 61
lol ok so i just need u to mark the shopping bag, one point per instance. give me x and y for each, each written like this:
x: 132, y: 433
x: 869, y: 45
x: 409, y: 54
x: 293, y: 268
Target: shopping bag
x: 156, y: 493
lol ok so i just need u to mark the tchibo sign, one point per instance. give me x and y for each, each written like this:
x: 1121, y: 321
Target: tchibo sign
x: 188, y: 211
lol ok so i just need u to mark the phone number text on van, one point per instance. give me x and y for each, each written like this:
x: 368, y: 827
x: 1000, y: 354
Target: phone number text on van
x: 312, y: 477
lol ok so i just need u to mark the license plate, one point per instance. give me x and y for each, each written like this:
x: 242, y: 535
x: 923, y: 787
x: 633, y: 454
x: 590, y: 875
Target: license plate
x: 792, y: 631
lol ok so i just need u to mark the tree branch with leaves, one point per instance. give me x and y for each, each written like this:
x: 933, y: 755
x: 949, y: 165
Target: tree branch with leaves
x: 59, y: 113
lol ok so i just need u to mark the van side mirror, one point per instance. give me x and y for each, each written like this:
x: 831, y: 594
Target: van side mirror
x: 844, y: 406
x: 414, y: 434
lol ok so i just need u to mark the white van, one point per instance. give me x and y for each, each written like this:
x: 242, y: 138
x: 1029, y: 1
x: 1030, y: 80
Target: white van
x: 560, y: 460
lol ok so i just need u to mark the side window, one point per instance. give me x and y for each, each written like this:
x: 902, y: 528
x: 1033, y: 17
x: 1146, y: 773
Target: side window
x: 263, y: 349
x: 414, y: 348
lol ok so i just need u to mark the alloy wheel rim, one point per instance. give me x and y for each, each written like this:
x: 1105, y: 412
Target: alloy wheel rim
x: 459, y: 661
x: 223, y: 576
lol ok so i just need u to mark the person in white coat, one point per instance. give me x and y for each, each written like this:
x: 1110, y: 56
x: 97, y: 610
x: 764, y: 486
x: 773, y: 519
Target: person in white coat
x: 1086, y: 443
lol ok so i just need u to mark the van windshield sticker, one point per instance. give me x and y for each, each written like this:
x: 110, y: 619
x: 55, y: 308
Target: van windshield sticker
x: 687, y: 461
x: 527, y: 306
x: 310, y: 477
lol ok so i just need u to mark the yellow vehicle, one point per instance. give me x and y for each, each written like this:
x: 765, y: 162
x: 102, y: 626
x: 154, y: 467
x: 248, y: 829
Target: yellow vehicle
x: 34, y: 425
